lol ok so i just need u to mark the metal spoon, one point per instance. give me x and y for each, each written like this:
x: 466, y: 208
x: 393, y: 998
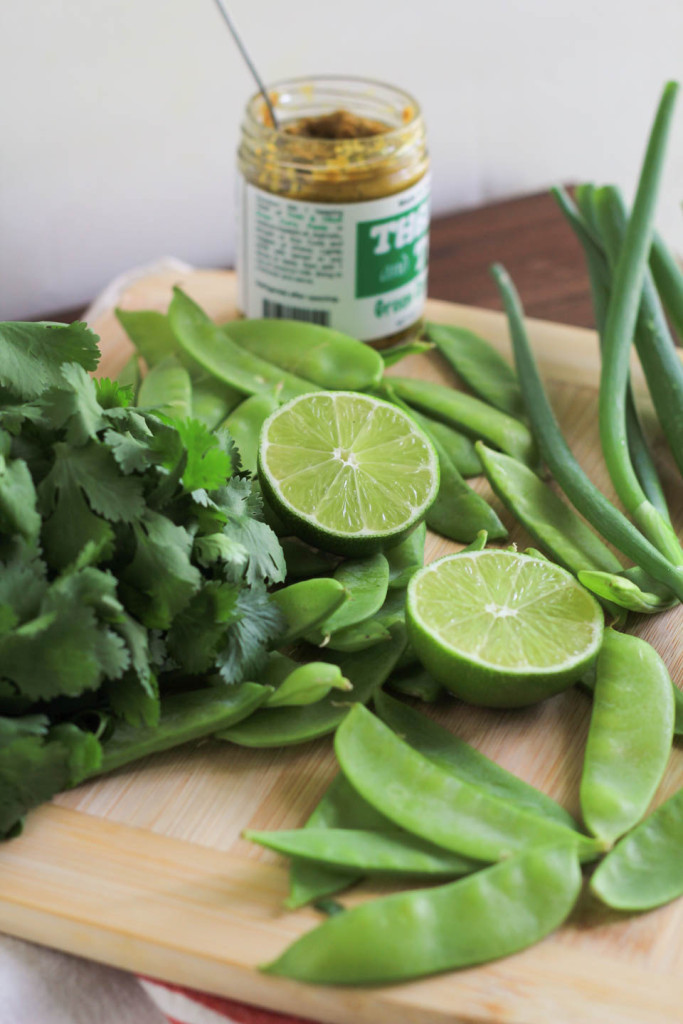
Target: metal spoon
x: 249, y: 62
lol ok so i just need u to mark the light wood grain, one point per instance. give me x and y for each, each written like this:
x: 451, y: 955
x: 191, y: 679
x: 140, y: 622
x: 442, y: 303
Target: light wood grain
x: 145, y: 869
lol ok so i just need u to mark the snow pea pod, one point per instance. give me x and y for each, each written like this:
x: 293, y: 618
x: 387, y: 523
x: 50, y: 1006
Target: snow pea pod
x: 405, y: 558
x: 453, y: 755
x: 244, y: 426
x: 366, y: 670
x: 209, y: 346
x: 458, y: 446
x: 358, y: 637
x: 303, y: 561
x: 151, y: 334
x: 484, y: 916
x: 621, y: 591
x: 367, y: 581
x: 469, y: 414
x: 436, y: 804
x: 328, y: 358
x: 212, y: 400
x: 588, y: 684
x: 630, y: 735
x: 416, y: 682
x: 552, y: 523
x: 393, y: 355
x: 129, y: 375
x: 458, y: 512
x: 340, y: 807
x: 645, y: 868
x: 480, y: 365
x: 306, y: 604
x: 307, y: 684
x: 184, y: 717
x: 168, y: 388
x: 392, y: 852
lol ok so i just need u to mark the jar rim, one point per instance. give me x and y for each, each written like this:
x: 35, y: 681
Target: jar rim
x: 393, y: 133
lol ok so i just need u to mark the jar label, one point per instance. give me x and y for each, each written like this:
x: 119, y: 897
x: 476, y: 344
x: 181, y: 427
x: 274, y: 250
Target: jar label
x: 358, y: 267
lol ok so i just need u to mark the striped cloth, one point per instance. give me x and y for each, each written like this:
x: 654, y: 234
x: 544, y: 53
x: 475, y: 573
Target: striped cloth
x: 42, y: 986
x: 183, y: 1006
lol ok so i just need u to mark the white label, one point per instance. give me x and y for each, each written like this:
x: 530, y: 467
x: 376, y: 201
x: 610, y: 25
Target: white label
x: 358, y: 267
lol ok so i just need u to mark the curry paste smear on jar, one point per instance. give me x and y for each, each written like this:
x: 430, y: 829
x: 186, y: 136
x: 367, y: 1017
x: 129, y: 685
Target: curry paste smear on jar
x: 334, y: 208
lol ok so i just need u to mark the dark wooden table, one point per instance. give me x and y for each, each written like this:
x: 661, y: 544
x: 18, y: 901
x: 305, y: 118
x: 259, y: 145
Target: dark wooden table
x: 527, y: 234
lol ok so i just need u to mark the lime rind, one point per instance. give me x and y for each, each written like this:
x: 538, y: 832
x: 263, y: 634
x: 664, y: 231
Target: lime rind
x: 500, y: 628
x: 349, y: 466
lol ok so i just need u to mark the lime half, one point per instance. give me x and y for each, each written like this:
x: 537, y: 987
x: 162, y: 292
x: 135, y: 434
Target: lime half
x: 502, y: 629
x: 346, y: 471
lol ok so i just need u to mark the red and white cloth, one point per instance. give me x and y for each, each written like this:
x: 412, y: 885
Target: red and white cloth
x: 42, y: 986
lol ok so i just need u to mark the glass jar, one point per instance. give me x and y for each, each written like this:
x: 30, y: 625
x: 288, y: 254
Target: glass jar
x: 335, y: 230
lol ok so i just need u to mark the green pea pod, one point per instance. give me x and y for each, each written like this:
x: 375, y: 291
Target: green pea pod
x: 405, y: 558
x: 209, y: 346
x: 278, y: 727
x: 328, y: 358
x: 417, y: 683
x: 487, y: 915
x: 276, y: 669
x: 543, y: 514
x: 212, y: 400
x: 307, y: 684
x: 129, y: 375
x: 587, y: 683
x: 358, y: 637
x: 453, y: 755
x: 168, y: 388
x: 480, y: 365
x: 340, y: 807
x: 151, y: 334
x: 184, y: 717
x: 469, y: 414
x: 630, y: 735
x: 244, y: 426
x: 303, y: 561
x: 479, y: 542
x: 306, y: 604
x: 459, y: 448
x: 458, y: 512
x: 623, y: 592
x: 438, y: 805
x: 393, y: 355
x: 373, y: 853
x: 645, y: 869
x: 366, y: 580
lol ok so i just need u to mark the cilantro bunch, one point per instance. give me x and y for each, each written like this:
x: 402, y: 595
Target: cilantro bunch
x: 133, y: 564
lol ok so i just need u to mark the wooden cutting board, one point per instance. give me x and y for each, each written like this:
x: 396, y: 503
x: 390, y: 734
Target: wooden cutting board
x: 145, y: 869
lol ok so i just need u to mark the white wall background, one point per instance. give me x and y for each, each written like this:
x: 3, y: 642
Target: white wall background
x: 119, y: 118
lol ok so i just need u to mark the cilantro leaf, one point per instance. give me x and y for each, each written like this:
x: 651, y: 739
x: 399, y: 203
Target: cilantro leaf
x: 111, y: 394
x: 33, y: 767
x: 136, y: 704
x: 161, y: 579
x: 23, y: 583
x: 92, y: 470
x: 219, y: 549
x: 208, y: 465
x: 199, y: 630
x: 18, y: 513
x: 241, y: 504
x: 258, y: 622
x: 72, y: 528
x: 32, y: 354
x: 74, y: 405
